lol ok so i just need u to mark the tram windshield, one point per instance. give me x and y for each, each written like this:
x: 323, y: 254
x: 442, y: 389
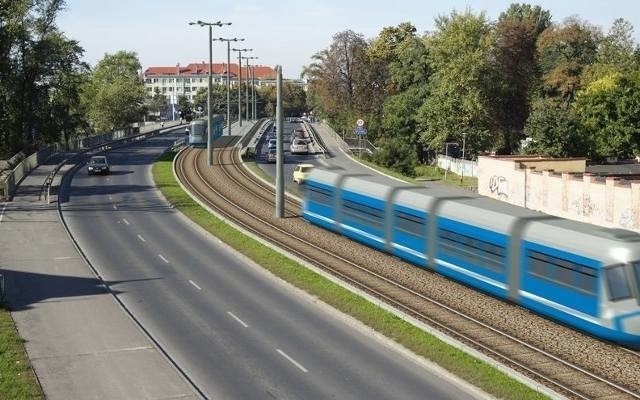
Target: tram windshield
x: 636, y: 271
x: 619, y: 288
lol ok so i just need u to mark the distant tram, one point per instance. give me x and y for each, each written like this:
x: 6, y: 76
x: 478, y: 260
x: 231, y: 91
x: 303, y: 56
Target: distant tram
x: 198, y: 130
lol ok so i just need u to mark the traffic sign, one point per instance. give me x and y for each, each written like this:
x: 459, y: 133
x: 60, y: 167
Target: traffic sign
x: 360, y: 122
x: 360, y: 131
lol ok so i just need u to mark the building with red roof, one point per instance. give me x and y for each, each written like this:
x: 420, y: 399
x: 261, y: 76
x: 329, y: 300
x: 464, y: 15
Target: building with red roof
x: 177, y: 81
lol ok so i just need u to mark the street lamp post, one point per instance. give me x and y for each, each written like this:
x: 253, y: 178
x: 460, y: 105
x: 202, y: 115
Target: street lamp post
x: 246, y: 91
x: 239, y: 83
x: 253, y: 89
x: 229, y: 77
x: 209, y: 117
x: 464, y: 137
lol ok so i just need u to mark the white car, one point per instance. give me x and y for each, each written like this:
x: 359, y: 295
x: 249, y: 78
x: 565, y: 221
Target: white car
x: 299, y: 146
x: 301, y: 172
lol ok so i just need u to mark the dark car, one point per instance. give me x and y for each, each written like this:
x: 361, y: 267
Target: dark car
x: 98, y: 165
x: 272, y: 155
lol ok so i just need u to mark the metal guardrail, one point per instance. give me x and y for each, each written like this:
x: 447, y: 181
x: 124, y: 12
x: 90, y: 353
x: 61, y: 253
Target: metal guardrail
x: 316, y: 138
x: 46, y: 187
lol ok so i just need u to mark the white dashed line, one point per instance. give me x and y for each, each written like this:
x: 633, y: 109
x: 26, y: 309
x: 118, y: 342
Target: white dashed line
x: 125, y: 221
x: 110, y: 197
x: 194, y: 284
x: 323, y: 162
x: 163, y: 259
x: 4, y: 207
x: 141, y: 238
x: 115, y: 207
x: 62, y: 258
x: 238, y: 319
x: 294, y: 362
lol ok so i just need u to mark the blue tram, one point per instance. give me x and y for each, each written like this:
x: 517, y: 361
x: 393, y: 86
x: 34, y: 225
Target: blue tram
x: 198, y: 130
x: 584, y: 276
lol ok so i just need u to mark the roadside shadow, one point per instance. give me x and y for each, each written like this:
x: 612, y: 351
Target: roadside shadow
x: 24, y: 289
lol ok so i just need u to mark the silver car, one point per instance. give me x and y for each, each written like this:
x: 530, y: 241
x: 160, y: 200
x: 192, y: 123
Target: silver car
x: 299, y: 146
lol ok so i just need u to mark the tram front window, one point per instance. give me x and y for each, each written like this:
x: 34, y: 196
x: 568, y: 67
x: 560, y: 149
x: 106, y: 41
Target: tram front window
x: 636, y: 270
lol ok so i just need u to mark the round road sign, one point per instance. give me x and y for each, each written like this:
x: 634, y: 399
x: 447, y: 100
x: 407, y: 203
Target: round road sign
x: 360, y: 122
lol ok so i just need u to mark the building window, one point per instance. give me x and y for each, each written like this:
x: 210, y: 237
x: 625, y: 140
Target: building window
x: 154, y: 80
x: 170, y: 80
x: 148, y: 80
x: 194, y: 89
x: 149, y: 89
x: 171, y: 88
x: 164, y: 89
x: 187, y: 80
x: 187, y: 89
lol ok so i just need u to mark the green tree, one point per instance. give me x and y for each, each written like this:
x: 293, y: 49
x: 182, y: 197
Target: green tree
x: 516, y: 73
x: 459, y: 101
x: 333, y: 78
x: 553, y: 130
x: 156, y: 103
x: 114, y: 96
x: 609, y: 113
x: 218, y: 99
x: 40, y: 74
x: 564, y: 53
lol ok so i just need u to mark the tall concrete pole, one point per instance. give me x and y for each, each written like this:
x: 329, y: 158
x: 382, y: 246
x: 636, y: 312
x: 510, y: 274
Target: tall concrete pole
x: 209, y: 87
x: 246, y: 90
x: 253, y: 90
x: 239, y: 86
x: 209, y: 116
x: 279, y: 147
x: 229, y: 87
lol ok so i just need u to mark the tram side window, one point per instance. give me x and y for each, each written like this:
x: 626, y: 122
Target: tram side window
x: 319, y: 195
x: 410, y: 223
x: 562, y: 272
x: 472, y: 250
x: 364, y: 214
x: 618, y: 285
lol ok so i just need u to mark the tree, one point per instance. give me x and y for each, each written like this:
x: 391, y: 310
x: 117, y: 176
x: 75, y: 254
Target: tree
x: 564, y: 52
x: 332, y: 77
x: 459, y: 101
x: 554, y: 131
x: 609, y: 113
x: 218, y: 99
x: 156, y: 103
x: 114, y: 96
x: 515, y: 64
x: 40, y: 75
x: 185, y: 108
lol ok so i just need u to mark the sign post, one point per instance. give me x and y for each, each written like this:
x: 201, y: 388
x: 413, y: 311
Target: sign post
x: 360, y: 131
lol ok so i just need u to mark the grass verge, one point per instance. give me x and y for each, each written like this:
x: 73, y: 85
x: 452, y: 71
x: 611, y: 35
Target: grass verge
x: 17, y: 380
x: 472, y: 370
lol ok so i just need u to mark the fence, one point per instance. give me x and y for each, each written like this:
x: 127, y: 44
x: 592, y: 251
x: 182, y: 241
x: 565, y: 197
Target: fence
x: 28, y: 164
x: 458, y: 165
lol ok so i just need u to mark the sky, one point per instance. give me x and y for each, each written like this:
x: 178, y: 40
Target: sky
x: 286, y: 33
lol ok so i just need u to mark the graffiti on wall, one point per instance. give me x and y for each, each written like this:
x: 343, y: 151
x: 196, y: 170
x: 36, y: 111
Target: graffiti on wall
x: 585, y: 207
x: 627, y: 219
x: 499, y: 186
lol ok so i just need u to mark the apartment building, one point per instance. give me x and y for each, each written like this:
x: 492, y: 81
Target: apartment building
x: 173, y: 82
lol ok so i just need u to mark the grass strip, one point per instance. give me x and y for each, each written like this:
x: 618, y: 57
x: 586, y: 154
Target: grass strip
x: 17, y: 380
x: 470, y: 369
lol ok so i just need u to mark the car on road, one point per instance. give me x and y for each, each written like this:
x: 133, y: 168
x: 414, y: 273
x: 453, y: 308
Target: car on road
x: 271, y: 155
x: 98, y: 165
x: 272, y: 143
x: 299, y: 146
x: 301, y: 172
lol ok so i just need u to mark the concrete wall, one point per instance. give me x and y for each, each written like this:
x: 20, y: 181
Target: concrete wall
x: 574, y: 195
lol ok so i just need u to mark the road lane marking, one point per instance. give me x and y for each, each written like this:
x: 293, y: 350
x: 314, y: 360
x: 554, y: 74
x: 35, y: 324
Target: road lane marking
x: 194, y: 284
x: 63, y: 258
x: 4, y: 207
x: 323, y: 162
x: 125, y: 221
x: 141, y: 238
x: 294, y: 362
x: 238, y: 319
x: 115, y: 207
x: 110, y: 197
x: 163, y: 259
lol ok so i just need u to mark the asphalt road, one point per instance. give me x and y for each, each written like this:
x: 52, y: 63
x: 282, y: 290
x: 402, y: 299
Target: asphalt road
x: 236, y: 331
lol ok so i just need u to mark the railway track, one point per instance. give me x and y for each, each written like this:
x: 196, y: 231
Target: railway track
x: 229, y: 189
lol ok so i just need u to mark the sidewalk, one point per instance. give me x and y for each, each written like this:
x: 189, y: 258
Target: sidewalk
x: 81, y: 343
